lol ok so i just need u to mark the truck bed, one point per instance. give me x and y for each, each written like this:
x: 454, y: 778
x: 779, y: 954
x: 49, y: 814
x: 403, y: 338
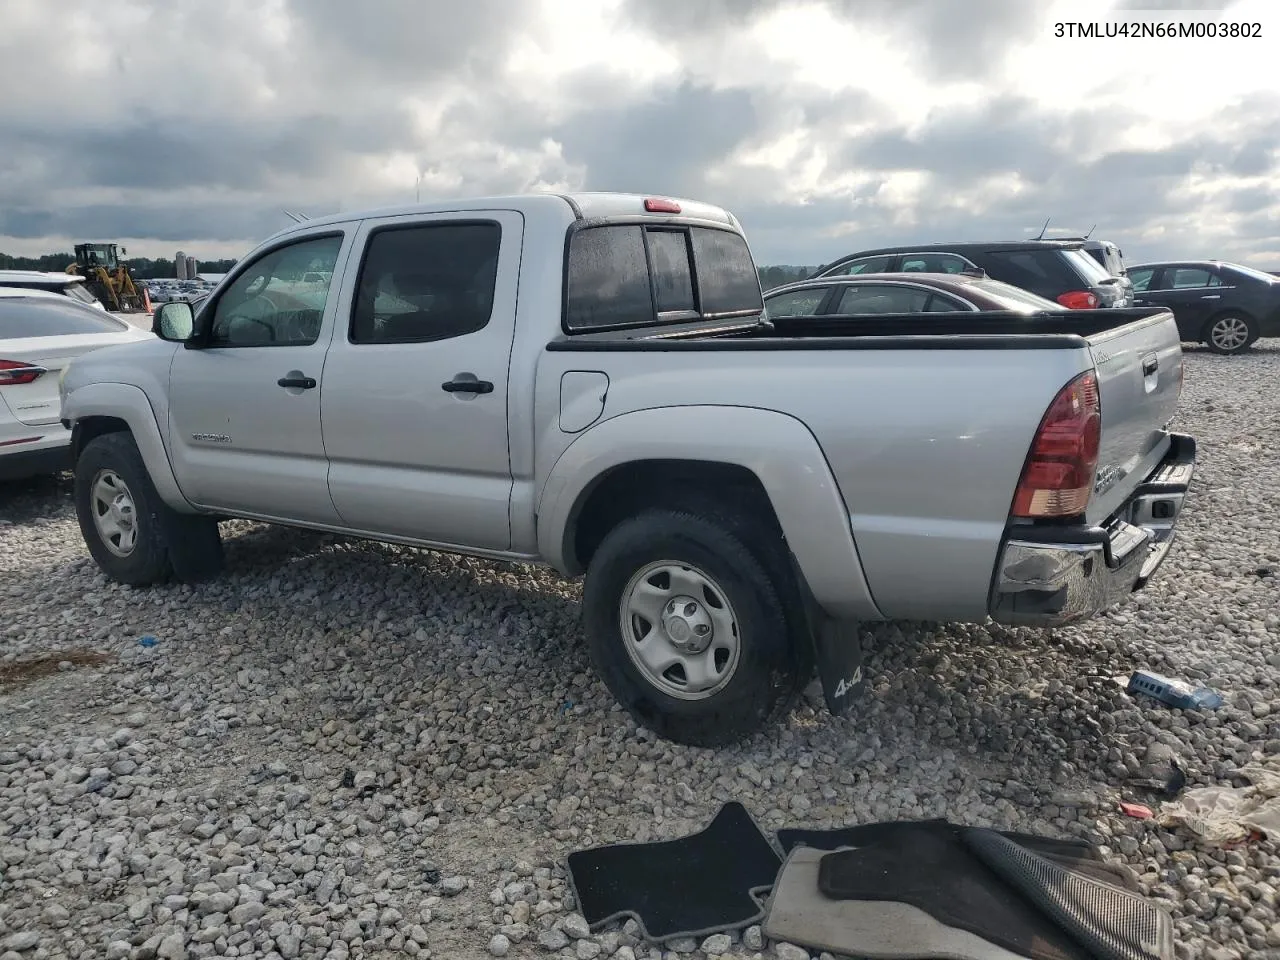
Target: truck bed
x: 925, y: 420
x: 986, y: 330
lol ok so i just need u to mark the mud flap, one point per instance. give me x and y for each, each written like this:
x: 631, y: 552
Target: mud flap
x: 837, y: 648
x: 194, y: 546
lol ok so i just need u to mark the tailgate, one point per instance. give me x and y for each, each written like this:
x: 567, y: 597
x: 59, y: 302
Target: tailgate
x: 1139, y: 369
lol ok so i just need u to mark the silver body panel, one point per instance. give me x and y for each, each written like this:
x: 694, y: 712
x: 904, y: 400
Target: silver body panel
x: 891, y: 471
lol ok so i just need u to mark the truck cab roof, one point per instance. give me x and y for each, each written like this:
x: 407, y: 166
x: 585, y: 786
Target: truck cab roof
x: 583, y: 205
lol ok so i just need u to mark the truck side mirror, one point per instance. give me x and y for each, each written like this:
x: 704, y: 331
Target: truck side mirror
x: 174, y: 321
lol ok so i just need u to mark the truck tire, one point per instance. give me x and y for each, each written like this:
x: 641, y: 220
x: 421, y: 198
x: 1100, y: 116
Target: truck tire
x: 687, y: 628
x: 1230, y: 333
x: 133, y: 535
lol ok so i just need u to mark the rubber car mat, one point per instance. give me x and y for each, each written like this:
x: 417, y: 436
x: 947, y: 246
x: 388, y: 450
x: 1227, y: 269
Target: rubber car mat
x: 798, y: 913
x: 935, y: 871
x: 708, y: 882
x: 868, y: 834
x: 1074, y: 854
x: 1113, y: 924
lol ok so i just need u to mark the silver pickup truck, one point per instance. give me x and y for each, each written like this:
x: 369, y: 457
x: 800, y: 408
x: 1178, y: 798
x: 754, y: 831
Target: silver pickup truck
x: 588, y: 381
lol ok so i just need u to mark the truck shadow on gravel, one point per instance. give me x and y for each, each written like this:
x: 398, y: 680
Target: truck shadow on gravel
x: 36, y: 498
x: 973, y: 689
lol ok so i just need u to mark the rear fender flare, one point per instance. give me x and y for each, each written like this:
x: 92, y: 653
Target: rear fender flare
x: 778, y: 449
x: 129, y: 403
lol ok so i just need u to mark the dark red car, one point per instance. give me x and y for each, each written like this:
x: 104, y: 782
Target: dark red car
x: 889, y: 293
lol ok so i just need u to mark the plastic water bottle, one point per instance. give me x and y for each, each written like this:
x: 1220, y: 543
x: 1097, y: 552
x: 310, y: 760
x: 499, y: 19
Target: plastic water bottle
x: 1176, y: 693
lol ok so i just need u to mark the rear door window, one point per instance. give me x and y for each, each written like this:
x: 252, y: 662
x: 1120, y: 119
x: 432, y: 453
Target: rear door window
x: 1184, y: 278
x: 425, y: 282
x: 865, y: 265
x: 873, y: 299
x: 934, y: 263
x: 22, y: 317
x: 940, y: 303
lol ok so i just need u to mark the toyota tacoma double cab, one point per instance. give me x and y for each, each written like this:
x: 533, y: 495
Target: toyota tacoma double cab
x: 589, y: 381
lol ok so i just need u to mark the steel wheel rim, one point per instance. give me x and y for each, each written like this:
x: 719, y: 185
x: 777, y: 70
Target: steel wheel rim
x: 1229, y: 333
x: 114, y: 513
x: 679, y: 630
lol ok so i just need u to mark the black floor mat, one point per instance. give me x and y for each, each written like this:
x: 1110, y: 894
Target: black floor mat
x: 1077, y: 855
x: 1113, y: 924
x: 931, y: 868
x: 869, y: 834
x: 697, y: 885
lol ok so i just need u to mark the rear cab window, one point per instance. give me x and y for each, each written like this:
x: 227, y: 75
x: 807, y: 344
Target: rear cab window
x: 624, y: 275
x: 22, y: 317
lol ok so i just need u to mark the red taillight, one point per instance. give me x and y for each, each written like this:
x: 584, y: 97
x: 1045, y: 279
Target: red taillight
x: 1078, y: 300
x: 656, y: 205
x: 16, y: 372
x: 1058, y: 476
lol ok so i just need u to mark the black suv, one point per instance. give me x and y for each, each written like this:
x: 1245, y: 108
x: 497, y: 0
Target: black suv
x: 1058, y: 270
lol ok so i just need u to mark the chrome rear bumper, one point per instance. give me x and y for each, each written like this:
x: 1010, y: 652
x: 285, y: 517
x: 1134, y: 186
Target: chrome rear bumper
x: 1060, y: 575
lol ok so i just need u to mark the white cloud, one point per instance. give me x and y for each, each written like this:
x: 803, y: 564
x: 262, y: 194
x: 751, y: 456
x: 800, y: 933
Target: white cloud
x: 826, y: 124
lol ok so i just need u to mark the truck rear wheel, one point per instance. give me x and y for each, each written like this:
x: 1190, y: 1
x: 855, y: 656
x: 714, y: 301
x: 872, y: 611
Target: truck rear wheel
x: 133, y: 535
x: 686, y: 627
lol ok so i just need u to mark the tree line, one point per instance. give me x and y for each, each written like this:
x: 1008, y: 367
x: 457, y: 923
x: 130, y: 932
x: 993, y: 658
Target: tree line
x: 145, y: 268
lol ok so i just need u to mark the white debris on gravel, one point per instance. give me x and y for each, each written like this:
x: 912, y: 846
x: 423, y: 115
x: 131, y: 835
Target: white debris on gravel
x: 341, y: 748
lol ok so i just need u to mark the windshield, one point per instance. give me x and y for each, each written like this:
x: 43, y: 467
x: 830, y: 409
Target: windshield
x: 1014, y: 298
x: 1256, y: 274
x: 77, y: 291
x: 1089, y: 268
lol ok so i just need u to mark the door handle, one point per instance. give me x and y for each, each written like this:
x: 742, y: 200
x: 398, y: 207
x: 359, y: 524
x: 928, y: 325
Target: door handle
x: 1212, y: 296
x: 467, y: 385
x: 1150, y: 365
x: 303, y: 383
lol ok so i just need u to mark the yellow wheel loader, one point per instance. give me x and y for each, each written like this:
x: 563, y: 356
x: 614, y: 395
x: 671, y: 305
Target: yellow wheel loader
x: 108, y: 277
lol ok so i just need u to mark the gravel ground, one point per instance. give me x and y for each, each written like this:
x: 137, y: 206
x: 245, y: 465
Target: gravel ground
x: 340, y: 748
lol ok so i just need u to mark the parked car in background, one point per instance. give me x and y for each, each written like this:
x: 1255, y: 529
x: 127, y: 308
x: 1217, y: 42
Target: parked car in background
x: 1057, y: 270
x: 882, y: 293
x: 1224, y: 305
x: 1108, y: 254
x: 64, y: 284
x: 586, y: 381
x: 40, y: 333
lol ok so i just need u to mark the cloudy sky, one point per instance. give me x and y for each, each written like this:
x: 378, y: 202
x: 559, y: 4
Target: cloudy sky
x: 828, y: 126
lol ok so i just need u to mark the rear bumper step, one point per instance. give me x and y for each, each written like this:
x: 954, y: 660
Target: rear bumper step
x: 1059, y: 575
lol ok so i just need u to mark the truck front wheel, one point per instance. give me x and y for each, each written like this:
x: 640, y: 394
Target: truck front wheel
x: 686, y: 628
x: 133, y: 535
